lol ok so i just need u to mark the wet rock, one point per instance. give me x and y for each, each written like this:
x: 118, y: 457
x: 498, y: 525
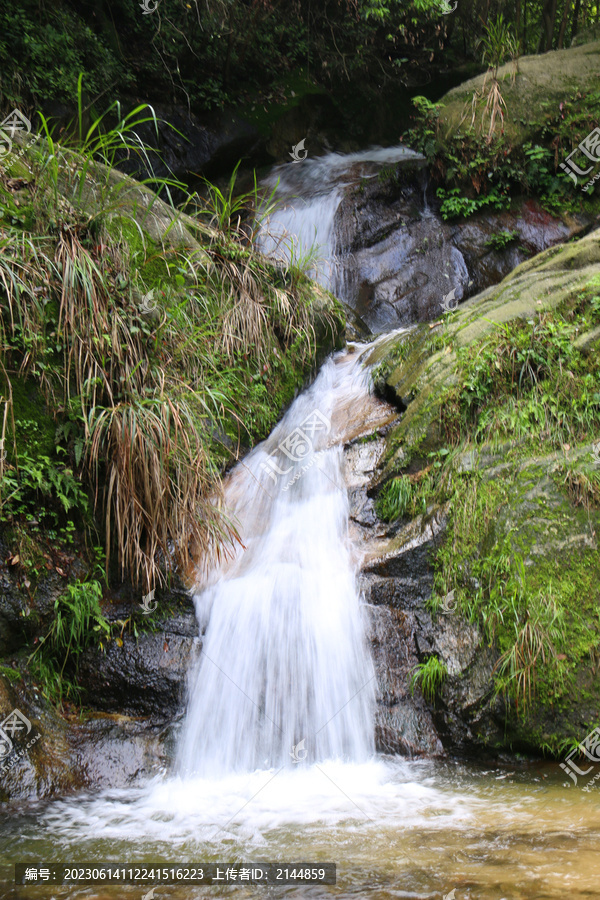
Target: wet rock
x: 403, y: 724
x: 51, y: 756
x: 145, y: 675
x: 541, y: 518
x: 401, y: 259
x: 37, y: 761
x: 395, y: 582
x: 119, y: 751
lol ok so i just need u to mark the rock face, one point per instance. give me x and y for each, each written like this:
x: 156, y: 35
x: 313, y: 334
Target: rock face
x: 401, y: 259
x: 133, y: 692
x: 542, y: 82
x: 395, y: 581
x: 540, y: 525
x: 144, y: 676
x: 187, y: 146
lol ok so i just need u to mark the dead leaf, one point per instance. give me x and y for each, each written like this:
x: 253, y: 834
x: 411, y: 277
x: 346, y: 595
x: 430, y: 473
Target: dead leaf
x: 15, y: 184
x: 13, y: 560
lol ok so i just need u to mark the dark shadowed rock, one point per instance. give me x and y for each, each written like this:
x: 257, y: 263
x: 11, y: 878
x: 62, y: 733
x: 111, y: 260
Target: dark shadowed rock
x: 402, y: 259
x: 144, y: 675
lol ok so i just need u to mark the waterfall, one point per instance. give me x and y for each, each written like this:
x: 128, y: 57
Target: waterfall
x: 309, y: 194
x: 285, y: 675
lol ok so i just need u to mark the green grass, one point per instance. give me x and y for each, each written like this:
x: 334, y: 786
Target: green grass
x: 78, y: 622
x: 430, y: 677
x: 140, y: 401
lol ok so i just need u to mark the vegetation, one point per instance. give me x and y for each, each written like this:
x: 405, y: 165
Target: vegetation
x: 478, y: 170
x: 226, y: 52
x: 527, y: 391
x: 430, y: 677
x: 78, y: 622
x: 528, y: 381
x: 141, y: 346
x: 501, y: 239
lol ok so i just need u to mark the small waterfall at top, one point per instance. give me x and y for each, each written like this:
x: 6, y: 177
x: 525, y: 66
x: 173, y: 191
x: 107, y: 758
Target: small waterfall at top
x: 309, y: 194
x: 285, y: 674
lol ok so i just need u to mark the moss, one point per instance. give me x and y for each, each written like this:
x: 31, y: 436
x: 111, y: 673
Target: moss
x: 520, y: 548
x: 143, y: 252
x: 10, y: 674
x: 542, y: 83
x: 35, y: 426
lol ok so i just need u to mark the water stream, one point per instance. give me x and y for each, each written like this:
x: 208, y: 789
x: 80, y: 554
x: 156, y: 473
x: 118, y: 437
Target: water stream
x: 308, y: 195
x: 284, y: 660
x: 276, y: 759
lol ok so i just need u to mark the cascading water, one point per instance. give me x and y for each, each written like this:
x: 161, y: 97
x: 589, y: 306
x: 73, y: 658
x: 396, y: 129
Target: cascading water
x: 309, y: 194
x: 284, y: 673
x: 284, y: 677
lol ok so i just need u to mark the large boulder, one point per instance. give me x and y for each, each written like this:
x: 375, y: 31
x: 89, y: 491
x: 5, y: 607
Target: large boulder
x: 524, y: 508
x: 401, y: 259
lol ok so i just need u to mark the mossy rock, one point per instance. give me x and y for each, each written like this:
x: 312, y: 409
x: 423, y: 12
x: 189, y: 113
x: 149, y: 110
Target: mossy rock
x: 540, y: 85
x: 542, y: 507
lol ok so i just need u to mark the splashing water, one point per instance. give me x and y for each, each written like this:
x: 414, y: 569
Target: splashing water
x: 309, y: 194
x: 285, y: 675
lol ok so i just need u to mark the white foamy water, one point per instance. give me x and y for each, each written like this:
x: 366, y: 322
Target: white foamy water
x: 309, y: 194
x: 285, y: 676
x: 247, y: 808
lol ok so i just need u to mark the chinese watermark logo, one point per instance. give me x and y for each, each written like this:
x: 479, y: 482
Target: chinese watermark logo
x: 450, y: 896
x: 445, y: 7
x: 596, y: 452
x: 590, y: 148
x: 589, y: 747
x: 147, y: 9
x: 448, y: 604
x: 148, y: 303
x: 14, y: 123
x: 14, y: 725
x: 299, y: 752
x: 146, y: 601
x: 297, y: 149
x: 297, y: 446
x: 450, y: 303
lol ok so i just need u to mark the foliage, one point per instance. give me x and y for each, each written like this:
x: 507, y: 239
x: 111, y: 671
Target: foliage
x: 536, y: 631
x: 406, y: 494
x: 214, y: 55
x: 78, y: 621
x: 430, y: 676
x: 424, y: 135
x: 526, y: 379
x: 453, y: 205
x: 499, y: 240
x: 469, y: 168
x: 142, y: 397
x: 529, y: 383
x: 497, y: 43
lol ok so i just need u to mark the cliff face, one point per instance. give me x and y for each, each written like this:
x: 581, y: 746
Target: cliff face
x: 490, y: 485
